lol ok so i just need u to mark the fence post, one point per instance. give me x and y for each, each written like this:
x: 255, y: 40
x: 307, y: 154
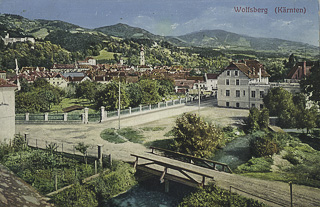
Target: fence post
x: 95, y: 167
x: 173, y: 102
x: 159, y: 105
x: 100, y: 153
x: 26, y: 136
x: 291, y: 200
x: 186, y: 99
x: 36, y: 143
x: 140, y: 107
x: 61, y: 147
x: 166, y: 103
x: 110, y: 160
x: 27, y: 117
x: 86, y: 116
x: 46, y: 116
x: 129, y: 110
x: 65, y: 117
x: 102, y: 113
x: 149, y: 106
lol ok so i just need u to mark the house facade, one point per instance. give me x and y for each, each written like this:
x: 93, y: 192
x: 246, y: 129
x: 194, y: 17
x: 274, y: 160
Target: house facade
x: 243, y: 85
x: 7, y: 111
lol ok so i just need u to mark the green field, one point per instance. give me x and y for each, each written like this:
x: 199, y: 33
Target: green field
x: 105, y: 55
x: 67, y: 102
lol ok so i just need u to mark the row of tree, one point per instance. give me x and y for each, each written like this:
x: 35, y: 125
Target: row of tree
x: 145, y: 91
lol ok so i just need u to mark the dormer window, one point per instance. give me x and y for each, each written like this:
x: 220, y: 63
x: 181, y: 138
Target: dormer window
x: 228, y: 72
x: 236, y: 73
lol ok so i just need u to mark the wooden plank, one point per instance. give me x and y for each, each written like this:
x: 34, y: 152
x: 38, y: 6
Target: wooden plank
x: 170, y: 177
x: 177, y: 165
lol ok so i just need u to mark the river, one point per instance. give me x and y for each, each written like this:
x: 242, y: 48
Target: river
x: 151, y: 193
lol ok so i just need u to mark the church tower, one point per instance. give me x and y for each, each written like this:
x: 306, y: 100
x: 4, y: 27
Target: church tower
x: 142, y: 59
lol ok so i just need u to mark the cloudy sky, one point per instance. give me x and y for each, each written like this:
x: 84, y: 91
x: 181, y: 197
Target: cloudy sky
x: 177, y: 17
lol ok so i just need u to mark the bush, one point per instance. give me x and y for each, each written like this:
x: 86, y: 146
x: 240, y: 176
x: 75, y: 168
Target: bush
x: 131, y: 135
x: 110, y: 136
x: 110, y: 184
x: 77, y: 195
x: 214, y: 196
x: 264, y: 146
x: 260, y: 164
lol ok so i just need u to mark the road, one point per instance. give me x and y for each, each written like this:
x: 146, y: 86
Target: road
x: 70, y: 134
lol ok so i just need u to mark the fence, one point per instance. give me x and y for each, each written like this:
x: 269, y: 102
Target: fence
x: 101, y: 116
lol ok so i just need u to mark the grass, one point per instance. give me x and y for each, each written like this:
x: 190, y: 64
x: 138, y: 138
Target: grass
x: 163, y: 143
x: 153, y: 128
x: 131, y: 135
x: 110, y: 136
x: 105, y: 55
x: 67, y: 102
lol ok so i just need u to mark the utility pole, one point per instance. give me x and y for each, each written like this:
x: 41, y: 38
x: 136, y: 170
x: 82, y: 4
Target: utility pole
x: 199, y: 95
x: 119, y: 101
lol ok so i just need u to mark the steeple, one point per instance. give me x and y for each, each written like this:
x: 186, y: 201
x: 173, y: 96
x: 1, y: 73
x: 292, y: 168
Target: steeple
x: 142, y: 59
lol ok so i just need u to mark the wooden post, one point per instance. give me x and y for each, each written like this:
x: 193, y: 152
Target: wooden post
x: 135, y: 163
x: 95, y: 167
x: 26, y: 139
x: 291, y: 200
x: 100, y: 154
x: 203, y: 180
x: 110, y: 160
x: 166, y: 185
x: 56, y: 181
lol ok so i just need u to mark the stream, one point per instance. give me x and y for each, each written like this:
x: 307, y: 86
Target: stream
x: 151, y: 192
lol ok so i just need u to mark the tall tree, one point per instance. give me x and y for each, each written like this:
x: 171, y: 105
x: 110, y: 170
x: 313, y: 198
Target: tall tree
x: 109, y: 97
x: 195, y: 136
x: 150, y: 91
x: 311, y: 85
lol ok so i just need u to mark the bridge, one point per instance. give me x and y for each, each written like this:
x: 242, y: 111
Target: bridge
x: 197, y: 172
x: 188, y: 170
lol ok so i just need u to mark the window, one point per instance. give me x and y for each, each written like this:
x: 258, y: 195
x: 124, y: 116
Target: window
x: 261, y: 94
x: 227, y: 104
x: 237, y: 105
x: 253, y: 94
x: 236, y: 73
x: 237, y: 82
x: 244, y: 93
x: 253, y: 105
x: 228, y: 73
x: 237, y: 93
x: 227, y: 92
x: 227, y: 82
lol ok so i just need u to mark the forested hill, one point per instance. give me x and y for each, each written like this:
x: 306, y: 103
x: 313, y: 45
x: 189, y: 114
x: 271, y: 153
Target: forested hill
x: 62, y: 42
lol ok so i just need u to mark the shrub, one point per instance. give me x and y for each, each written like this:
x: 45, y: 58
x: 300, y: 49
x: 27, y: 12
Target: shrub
x: 214, y: 196
x: 110, y: 136
x: 131, y: 135
x: 264, y: 146
x: 260, y: 164
x: 77, y: 195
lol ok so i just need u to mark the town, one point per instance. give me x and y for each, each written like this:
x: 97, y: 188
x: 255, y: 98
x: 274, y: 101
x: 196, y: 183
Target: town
x: 80, y: 129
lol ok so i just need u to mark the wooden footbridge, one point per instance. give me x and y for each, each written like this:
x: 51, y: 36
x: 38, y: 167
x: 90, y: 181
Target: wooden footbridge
x: 178, y: 167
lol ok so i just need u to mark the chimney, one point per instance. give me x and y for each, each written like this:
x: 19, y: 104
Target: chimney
x: 260, y: 74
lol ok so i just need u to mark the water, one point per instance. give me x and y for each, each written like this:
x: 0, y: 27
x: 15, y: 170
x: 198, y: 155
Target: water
x: 151, y: 192
x: 235, y: 153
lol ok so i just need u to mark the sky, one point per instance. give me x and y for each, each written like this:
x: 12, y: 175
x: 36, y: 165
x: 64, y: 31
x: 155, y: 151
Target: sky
x: 257, y: 18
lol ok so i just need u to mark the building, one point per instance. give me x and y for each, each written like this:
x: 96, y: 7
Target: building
x: 299, y: 71
x: 7, y: 39
x: 243, y: 85
x: 88, y: 61
x: 7, y: 110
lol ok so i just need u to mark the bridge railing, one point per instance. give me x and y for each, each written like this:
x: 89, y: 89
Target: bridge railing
x: 192, y: 159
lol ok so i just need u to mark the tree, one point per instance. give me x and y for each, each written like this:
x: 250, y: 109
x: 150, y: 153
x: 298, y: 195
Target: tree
x: 307, y: 118
x: 109, y: 97
x: 150, y: 91
x: 280, y: 104
x: 263, y: 120
x: 264, y: 146
x: 87, y: 89
x: 252, y: 120
x: 195, y: 136
x: 135, y: 94
x: 83, y: 148
x: 166, y: 87
x: 311, y: 85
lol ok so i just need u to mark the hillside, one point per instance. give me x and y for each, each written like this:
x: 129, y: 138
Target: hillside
x: 228, y: 40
